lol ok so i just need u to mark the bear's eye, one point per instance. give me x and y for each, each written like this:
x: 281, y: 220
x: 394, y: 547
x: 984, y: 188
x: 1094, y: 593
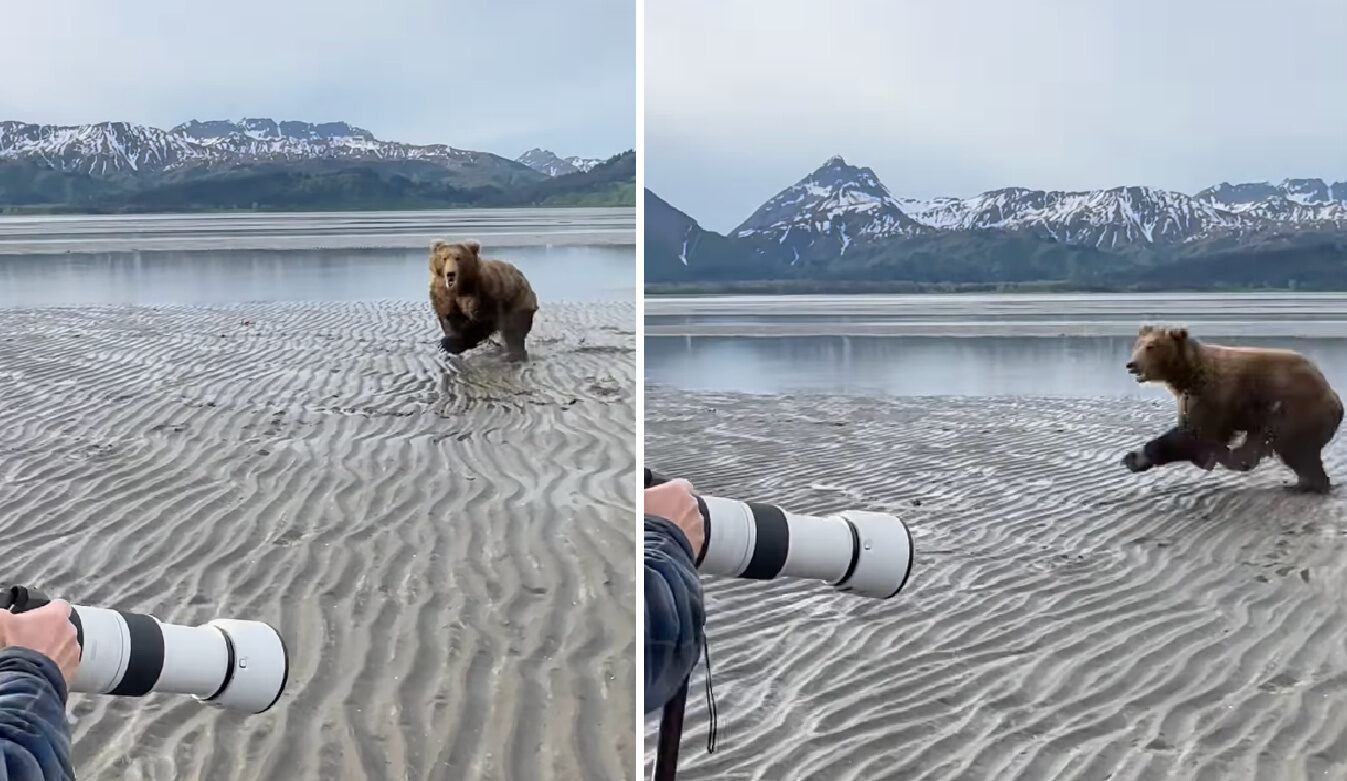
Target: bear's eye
x: 1150, y: 347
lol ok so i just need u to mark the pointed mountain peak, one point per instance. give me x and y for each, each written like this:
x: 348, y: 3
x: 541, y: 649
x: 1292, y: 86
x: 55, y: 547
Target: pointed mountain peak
x: 839, y: 201
x: 836, y: 173
x: 833, y: 167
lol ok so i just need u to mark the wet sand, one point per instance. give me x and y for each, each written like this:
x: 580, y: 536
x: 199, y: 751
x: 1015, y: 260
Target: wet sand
x: 445, y: 544
x: 24, y: 235
x: 1066, y: 619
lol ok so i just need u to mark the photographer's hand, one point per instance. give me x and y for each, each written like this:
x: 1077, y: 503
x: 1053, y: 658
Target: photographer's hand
x: 46, y: 630
x: 674, y: 500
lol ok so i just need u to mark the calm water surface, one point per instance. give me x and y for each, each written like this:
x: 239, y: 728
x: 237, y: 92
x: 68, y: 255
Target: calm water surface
x: 1069, y: 366
x: 561, y: 273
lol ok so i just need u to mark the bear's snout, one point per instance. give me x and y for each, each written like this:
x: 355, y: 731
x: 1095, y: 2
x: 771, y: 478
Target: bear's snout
x: 1132, y: 366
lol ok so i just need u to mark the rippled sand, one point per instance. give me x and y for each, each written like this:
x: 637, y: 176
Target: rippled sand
x: 446, y: 544
x: 1066, y: 619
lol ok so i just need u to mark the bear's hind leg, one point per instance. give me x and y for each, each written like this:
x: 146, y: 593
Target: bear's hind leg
x: 513, y: 331
x: 1308, y: 465
x: 1174, y: 446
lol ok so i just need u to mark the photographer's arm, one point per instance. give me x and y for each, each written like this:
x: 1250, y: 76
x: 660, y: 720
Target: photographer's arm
x: 34, y: 736
x: 674, y: 617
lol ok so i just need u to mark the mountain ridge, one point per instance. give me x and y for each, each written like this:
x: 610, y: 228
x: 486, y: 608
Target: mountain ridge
x: 840, y: 222
x: 110, y: 165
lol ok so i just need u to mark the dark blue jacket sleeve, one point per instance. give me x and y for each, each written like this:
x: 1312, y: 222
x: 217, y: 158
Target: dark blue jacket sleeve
x: 674, y: 616
x: 34, y: 734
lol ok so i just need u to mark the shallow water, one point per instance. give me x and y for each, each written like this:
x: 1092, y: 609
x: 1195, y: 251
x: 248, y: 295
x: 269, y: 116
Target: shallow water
x: 1069, y: 366
x: 1065, y: 345
x: 561, y: 273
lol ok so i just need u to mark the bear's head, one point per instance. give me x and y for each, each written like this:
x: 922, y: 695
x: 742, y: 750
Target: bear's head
x: 457, y: 266
x: 1163, y: 355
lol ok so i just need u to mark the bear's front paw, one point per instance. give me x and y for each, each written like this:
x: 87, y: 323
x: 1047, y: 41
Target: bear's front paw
x: 452, y: 345
x: 1136, y: 461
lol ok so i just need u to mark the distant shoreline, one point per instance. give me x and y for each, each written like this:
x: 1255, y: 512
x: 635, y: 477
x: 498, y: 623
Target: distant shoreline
x: 73, y: 211
x: 296, y: 231
x: 298, y: 243
x: 1212, y: 314
x: 802, y: 287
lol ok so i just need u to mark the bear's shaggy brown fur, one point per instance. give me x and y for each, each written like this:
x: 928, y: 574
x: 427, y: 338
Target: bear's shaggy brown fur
x: 1278, y: 398
x: 474, y: 297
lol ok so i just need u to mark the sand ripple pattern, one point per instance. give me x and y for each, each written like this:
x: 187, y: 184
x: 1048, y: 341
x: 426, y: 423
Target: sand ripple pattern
x: 445, y: 543
x: 1066, y: 619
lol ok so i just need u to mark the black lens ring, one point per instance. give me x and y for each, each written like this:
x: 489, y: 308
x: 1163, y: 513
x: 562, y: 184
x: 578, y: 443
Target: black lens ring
x: 285, y: 676
x: 911, y: 559
x: 855, y: 554
x: 229, y: 667
x: 706, y: 530
x: 79, y: 629
x: 145, y: 659
x: 772, y: 544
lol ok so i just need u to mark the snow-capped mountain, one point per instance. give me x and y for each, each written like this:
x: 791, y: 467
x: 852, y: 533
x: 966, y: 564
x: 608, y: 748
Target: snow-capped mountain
x: 835, y: 205
x: 1305, y: 192
x: 99, y: 149
x: 269, y: 130
x: 1124, y: 216
x: 122, y: 147
x: 1281, y: 210
x: 843, y: 220
x: 1097, y: 218
x: 1292, y: 201
x: 544, y: 161
x: 839, y: 204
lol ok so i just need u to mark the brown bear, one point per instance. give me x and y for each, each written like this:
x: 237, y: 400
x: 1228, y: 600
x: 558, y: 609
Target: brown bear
x: 1278, y: 399
x: 474, y: 297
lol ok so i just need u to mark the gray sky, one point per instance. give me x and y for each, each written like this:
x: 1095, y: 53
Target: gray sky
x: 493, y: 76
x: 956, y: 97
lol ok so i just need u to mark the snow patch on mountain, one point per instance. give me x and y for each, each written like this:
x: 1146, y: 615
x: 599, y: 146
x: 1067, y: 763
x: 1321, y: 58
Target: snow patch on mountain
x: 122, y: 147
x: 1303, y: 192
x: 1099, y: 218
x: 545, y: 161
x: 99, y: 149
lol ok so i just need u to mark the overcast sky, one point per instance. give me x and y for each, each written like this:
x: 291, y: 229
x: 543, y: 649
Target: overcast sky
x: 956, y: 97
x: 494, y: 76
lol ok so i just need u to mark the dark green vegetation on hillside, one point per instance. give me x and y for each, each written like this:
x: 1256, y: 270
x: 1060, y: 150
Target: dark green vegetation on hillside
x: 316, y: 185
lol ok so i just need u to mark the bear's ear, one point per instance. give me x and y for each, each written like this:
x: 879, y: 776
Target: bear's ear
x: 1145, y: 329
x: 438, y: 245
x: 474, y: 246
x: 1178, y: 334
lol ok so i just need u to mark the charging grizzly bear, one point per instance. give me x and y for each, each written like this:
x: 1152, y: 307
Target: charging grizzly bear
x: 1278, y: 399
x: 474, y: 297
